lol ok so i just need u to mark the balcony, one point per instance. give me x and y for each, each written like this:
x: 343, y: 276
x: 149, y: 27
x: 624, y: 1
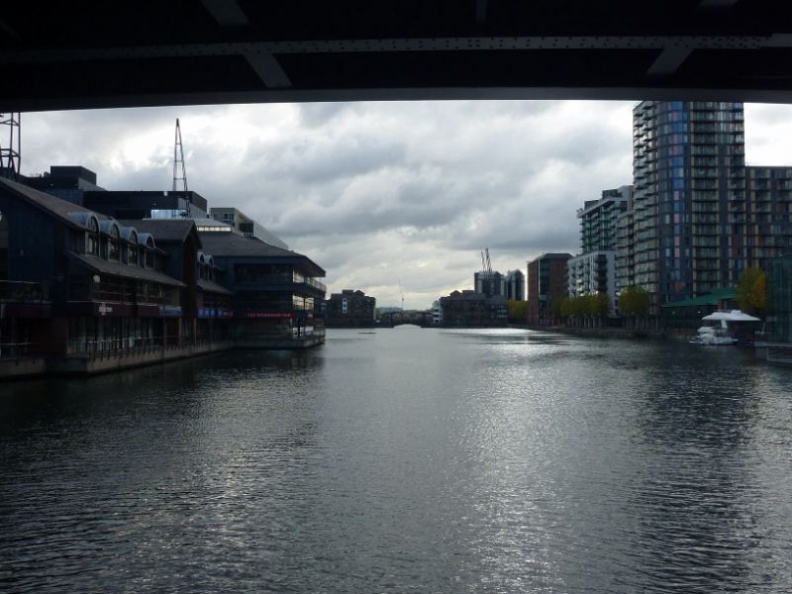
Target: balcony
x: 312, y: 282
x: 104, y: 292
x: 20, y: 299
x: 285, y: 280
x: 23, y: 292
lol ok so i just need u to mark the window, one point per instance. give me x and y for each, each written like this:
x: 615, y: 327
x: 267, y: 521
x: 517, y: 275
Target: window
x: 92, y: 237
x: 168, y: 214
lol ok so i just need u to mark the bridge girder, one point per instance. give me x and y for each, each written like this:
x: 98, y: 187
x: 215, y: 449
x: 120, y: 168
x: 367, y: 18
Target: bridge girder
x: 99, y: 54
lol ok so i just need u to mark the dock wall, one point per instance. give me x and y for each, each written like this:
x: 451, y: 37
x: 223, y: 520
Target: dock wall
x: 99, y: 362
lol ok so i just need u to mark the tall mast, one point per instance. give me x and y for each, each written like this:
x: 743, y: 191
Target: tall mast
x: 10, y: 155
x: 178, y: 159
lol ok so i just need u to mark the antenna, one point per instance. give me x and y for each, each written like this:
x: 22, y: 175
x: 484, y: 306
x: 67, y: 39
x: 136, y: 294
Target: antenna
x: 489, y: 264
x: 402, y: 295
x: 178, y: 158
x: 11, y: 157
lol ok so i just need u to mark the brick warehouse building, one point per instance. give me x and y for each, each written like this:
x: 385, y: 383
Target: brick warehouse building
x: 350, y: 309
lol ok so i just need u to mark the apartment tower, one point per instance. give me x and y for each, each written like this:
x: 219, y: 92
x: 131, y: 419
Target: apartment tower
x: 594, y: 269
x: 689, y: 173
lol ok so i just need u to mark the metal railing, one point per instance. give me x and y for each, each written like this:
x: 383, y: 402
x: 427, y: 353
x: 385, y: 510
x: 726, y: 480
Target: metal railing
x: 112, y: 345
x: 14, y: 350
x: 24, y: 291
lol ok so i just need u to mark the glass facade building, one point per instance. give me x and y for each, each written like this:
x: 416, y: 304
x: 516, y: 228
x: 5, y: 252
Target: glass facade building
x: 690, y: 193
x: 779, y: 300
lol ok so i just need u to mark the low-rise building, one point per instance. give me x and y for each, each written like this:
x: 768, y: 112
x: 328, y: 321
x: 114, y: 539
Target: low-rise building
x: 83, y: 292
x: 350, y: 309
x: 104, y: 300
x: 277, y: 294
x: 207, y: 305
x: 469, y: 309
x: 437, y: 313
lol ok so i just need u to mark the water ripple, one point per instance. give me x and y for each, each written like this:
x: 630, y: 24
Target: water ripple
x: 405, y: 461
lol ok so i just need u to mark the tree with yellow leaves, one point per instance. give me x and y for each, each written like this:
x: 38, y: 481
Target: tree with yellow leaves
x: 751, y: 292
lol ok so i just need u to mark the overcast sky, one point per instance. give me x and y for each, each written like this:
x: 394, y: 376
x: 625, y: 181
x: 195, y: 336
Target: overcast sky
x: 383, y: 195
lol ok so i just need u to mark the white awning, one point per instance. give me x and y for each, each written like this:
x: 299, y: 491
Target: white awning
x: 734, y: 315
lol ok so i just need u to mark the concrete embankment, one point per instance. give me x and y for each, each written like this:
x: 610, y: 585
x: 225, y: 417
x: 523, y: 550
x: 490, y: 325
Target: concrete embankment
x: 109, y: 361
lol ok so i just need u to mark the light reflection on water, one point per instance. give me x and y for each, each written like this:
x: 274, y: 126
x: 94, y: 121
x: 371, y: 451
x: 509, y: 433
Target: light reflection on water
x: 405, y: 460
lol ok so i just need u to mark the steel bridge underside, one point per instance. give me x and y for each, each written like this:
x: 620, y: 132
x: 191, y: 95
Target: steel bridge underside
x: 103, y: 54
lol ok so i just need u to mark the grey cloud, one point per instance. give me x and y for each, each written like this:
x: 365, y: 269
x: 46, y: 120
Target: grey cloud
x: 315, y: 115
x: 341, y: 160
x: 373, y: 192
x: 763, y: 115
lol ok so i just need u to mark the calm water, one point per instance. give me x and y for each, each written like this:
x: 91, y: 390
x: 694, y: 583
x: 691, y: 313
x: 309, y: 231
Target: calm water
x: 405, y: 460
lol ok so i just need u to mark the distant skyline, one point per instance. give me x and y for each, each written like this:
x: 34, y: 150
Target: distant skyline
x: 383, y: 194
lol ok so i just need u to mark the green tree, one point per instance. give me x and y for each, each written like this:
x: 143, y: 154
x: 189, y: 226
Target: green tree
x: 562, y: 308
x: 634, y: 301
x: 582, y: 309
x: 751, y: 291
x: 517, y: 310
x: 600, y: 304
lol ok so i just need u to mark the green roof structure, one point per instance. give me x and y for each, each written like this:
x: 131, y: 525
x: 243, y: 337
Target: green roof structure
x: 713, y: 299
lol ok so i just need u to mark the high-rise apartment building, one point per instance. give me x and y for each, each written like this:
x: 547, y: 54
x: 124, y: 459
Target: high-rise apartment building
x: 699, y: 217
x: 598, y: 219
x: 689, y: 163
x: 494, y: 284
x: 489, y: 283
x: 762, y: 227
x: 594, y: 269
x: 515, y: 285
x: 779, y: 300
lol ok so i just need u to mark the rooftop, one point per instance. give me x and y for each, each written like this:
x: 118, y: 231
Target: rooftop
x: 233, y: 245
x: 163, y: 230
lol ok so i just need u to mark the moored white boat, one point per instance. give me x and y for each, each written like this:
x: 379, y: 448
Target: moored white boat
x: 724, y: 328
